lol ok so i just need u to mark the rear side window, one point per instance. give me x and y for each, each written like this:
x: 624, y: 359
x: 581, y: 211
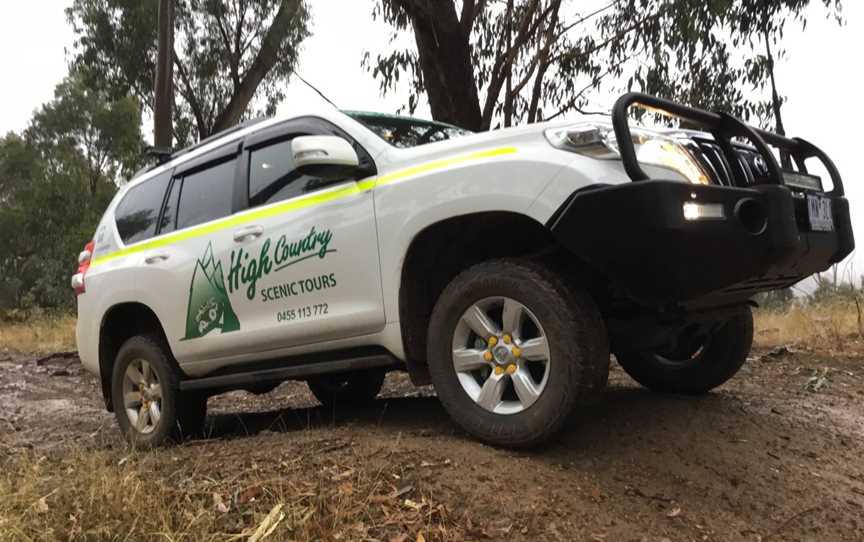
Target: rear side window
x: 206, y: 195
x: 137, y: 213
x: 273, y: 177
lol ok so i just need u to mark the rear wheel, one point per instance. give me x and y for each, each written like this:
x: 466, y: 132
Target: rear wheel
x: 149, y: 407
x: 701, y: 360
x: 512, y: 349
x: 355, y: 388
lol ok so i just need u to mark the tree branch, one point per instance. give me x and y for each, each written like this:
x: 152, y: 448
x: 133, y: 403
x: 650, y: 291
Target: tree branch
x: 470, y: 10
x: 543, y: 60
x: 267, y: 57
x: 571, y: 104
x: 504, y: 63
x: 238, y: 39
x: 467, y: 17
x: 609, y: 41
x: 233, y: 60
x: 586, y: 17
x: 189, y: 94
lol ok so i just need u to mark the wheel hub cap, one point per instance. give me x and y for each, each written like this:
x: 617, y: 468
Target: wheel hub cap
x: 501, y: 355
x: 142, y: 396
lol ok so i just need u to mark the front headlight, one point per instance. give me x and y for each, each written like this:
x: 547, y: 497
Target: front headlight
x: 653, y: 149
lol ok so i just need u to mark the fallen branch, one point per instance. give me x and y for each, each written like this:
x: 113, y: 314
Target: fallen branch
x: 783, y: 525
x: 639, y: 493
x: 57, y: 355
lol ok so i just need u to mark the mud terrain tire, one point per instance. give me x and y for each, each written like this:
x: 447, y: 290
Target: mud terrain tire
x: 719, y: 359
x: 577, y: 342
x: 179, y: 414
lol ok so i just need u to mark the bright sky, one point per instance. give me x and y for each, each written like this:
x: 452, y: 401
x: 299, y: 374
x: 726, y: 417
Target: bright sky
x: 821, y: 77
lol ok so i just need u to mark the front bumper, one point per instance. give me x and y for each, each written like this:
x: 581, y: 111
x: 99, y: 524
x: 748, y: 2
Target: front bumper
x: 636, y: 235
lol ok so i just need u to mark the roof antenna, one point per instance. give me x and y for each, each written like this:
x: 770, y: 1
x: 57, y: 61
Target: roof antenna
x: 313, y: 87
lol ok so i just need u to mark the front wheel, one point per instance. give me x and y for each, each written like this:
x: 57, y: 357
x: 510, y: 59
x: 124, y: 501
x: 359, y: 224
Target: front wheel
x: 511, y: 350
x: 701, y: 361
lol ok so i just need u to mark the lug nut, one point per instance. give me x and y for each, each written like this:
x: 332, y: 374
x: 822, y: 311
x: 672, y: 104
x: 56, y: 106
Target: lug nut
x: 516, y: 352
x: 487, y: 355
x: 499, y: 370
x: 506, y: 339
x: 511, y: 369
x: 493, y: 340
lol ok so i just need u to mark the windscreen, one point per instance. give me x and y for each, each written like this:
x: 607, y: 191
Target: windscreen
x: 405, y: 132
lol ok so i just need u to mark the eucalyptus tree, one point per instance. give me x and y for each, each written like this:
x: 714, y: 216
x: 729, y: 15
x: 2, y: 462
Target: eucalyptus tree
x: 505, y: 51
x: 718, y: 54
x: 88, y: 135
x: 232, y: 58
x: 482, y: 62
x: 55, y: 181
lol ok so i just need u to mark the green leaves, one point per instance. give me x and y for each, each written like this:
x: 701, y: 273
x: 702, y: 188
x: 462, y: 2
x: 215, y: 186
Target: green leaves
x: 708, y: 53
x: 222, y: 72
x: 55, y: 182
x: 85, y: 131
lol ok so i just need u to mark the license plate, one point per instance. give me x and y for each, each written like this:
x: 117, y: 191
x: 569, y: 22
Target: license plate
x: 819, y: 210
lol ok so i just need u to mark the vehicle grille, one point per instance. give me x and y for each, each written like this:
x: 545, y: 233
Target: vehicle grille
x: 747, y: 170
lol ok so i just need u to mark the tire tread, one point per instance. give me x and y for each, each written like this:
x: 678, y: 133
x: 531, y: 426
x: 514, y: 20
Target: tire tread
x: 586, y: 348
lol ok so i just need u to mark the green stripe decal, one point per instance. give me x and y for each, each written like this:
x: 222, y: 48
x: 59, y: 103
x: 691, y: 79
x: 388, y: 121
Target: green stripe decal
x: 301, y: 202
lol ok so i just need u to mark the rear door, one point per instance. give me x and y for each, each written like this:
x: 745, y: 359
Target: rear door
x: 198, y: 316
x: 303, y: 266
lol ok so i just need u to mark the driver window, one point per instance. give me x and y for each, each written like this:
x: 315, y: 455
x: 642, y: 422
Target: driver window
x: 273, y: 177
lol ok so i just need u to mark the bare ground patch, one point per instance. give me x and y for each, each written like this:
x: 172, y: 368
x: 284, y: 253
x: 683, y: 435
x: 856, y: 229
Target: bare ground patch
x: 776, y: 454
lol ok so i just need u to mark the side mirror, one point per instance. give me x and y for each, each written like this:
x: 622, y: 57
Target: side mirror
x: 326, y: 157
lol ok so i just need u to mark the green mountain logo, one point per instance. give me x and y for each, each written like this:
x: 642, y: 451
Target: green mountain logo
x: 209, y: 306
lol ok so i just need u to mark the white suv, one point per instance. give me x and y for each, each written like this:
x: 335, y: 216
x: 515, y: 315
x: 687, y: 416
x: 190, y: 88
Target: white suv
x: 501, y: 267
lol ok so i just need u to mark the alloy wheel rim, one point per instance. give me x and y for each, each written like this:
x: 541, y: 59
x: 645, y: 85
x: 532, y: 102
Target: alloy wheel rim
x: 142, y: 396
x: 693, y: 352
x: 500, y: 353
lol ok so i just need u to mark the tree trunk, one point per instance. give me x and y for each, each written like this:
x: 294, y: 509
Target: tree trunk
x: 445, y: 61
x: 508, y: 90
x: 776, y: 103
x: 775, y: 96
x: 164, y: 91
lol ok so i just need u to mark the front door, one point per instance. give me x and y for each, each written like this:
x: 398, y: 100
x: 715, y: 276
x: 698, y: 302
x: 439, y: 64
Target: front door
x: 303, y: 266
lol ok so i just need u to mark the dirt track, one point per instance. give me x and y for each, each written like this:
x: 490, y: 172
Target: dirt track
x: 776, y: 454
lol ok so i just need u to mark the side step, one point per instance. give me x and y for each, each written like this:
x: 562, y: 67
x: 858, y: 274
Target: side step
x: 241, y: 380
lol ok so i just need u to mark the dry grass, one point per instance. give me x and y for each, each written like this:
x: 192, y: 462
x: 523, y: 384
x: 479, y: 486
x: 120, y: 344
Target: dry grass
x: 100, y: 495
x: 41, y: 334
x: 827, y: 324
x: 834, y: 322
